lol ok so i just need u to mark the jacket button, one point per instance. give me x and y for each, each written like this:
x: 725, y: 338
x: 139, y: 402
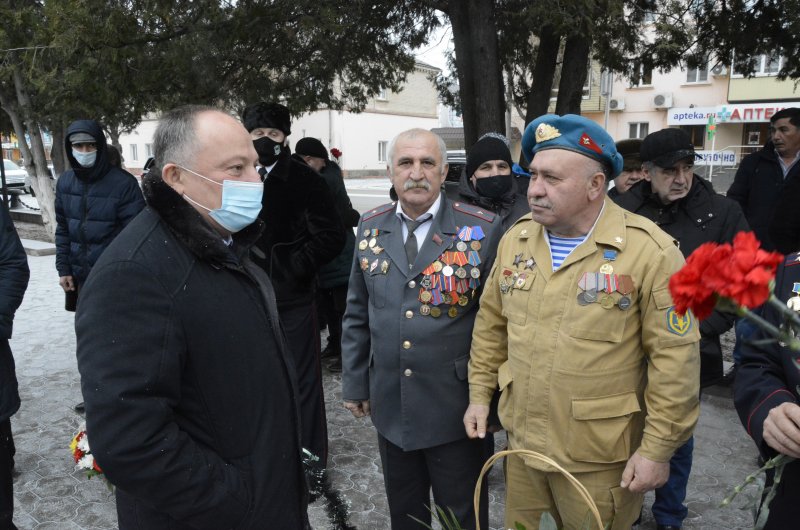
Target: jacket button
x: 409, y: 314
x: 412, y: 284
x: 406, y: 344
x: 407, y: 372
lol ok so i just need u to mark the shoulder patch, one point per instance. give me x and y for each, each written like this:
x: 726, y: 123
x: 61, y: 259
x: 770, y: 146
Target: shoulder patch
x: 480, y: 213
x: 661, y: 238
x: 792, y: 259
x: 678, y: 324
x: 380, y: 210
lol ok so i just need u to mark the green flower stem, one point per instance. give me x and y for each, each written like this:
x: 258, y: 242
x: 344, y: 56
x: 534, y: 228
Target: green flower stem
x: 782, y: 335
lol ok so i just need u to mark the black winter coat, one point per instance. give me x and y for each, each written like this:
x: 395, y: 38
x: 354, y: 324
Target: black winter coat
x: 92, y: 206
x: 767, y: 375
x: 14, y: 276
x: 337, y: 272
x: 702, y: 216
x: 757, y: 187
x: 191, y: 401
x: 784, y: 230
x: 510, y: 207
x: 302, y: 231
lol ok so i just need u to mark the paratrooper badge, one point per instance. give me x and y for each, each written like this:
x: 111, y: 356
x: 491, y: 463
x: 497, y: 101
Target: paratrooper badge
x: 678, y: 324
x: 546, y: 132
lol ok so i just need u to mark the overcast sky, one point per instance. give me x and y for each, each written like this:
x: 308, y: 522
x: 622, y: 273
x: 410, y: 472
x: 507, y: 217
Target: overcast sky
x: 433, y: 53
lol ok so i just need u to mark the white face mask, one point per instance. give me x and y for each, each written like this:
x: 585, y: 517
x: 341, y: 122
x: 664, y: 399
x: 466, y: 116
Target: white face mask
x: 85, y: 159
x: 241, y: 203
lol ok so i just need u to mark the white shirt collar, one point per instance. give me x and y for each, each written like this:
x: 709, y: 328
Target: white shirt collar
x: 433, y: 210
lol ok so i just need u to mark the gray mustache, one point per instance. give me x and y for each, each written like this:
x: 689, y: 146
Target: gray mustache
x: 411, y: 184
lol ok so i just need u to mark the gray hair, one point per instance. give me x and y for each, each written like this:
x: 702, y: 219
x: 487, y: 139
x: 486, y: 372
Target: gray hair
x: 413, y: 133
x: 175, y: 140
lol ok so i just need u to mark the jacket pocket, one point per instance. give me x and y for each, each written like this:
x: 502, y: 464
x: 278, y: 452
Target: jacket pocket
x: 461, y: 367
x: 505, y: 406
x: 376, y: 283
x: 599, y: 430
x: 515, y: 287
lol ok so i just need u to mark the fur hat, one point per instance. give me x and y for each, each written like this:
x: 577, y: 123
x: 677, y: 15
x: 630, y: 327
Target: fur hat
x: 272, y: 115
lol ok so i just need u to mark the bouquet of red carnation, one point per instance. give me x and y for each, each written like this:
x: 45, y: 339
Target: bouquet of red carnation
x: 336, y: 153
x: 82, y: 454
x: 733, y: 278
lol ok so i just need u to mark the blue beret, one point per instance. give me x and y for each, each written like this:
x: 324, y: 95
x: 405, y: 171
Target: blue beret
x: 573, y: 133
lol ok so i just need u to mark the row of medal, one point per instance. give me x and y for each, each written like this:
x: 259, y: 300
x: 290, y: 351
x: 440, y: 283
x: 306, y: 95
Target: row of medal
x: 511, y: 279
x: 593, y: 284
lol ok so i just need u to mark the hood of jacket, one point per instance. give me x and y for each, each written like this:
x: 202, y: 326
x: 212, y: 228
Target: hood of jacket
x: 190, y: 227
x: 102, y: 163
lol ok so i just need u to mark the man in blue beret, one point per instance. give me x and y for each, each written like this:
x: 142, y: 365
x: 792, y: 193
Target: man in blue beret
x: 576, y: 326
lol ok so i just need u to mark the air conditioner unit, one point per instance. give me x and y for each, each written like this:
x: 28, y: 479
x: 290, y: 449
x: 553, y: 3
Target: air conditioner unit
x: 719, y: 70
x: 663, y: 101
x: 616, y: 104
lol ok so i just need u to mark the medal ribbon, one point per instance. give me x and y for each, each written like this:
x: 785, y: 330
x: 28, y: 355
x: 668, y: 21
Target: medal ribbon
x: 437, y: 296
x: 460, y: 259
x: 477, y: 233
x: 474, y: 259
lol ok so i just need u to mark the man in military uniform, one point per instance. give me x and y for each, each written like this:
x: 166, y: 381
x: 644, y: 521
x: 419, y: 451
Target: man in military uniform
x: 414, y: 286
x: 577, y: 326
x: 766, y: 396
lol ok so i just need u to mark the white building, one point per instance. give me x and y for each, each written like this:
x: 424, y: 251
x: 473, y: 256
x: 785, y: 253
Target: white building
x: 362, y: 138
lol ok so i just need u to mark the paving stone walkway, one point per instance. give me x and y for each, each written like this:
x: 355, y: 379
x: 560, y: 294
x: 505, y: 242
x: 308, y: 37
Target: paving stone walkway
x: 50, y: 494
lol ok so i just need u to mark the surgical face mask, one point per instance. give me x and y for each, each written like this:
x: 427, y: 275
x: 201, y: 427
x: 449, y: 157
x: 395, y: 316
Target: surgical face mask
x: 494, y: 187
x: 241, y: 203
x: 85, y: 159
x: 268, y: 150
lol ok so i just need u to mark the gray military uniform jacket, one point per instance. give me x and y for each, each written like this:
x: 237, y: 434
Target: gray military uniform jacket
x: 407, y: 332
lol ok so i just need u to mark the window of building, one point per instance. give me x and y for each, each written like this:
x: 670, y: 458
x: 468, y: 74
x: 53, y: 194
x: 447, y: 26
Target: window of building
x: 644, y: 77
x: 697, y: 133
x: 697, y: 75
x: 382, y: 95
x: 148, y: 150
x: 587, y: 85
x: 134, y: 152
x: 765, y: 65
x: 638, y: 129
x: 382, y: 151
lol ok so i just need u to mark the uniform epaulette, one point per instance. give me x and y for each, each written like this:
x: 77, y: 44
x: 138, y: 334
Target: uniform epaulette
x: 661, y: 238
x: 792, y: 259
x: 382, y: 209
x: 480, y: 213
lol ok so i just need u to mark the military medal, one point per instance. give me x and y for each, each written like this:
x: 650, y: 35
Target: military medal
x: 475, y: 273
x: 461, y: 246
x: 447, y: 270
x: 373, y: 265
x: 436, y: 312
x: 425, y: 297
x: 364, y: 264
x: 372, y: 242
x: 377, y: 249
x: 384, y: 266
x: 437, y: 266
x: 452, y: 312
x: 367, y: 232
x: 529, y: 263
x: 425, y: 282
x: 625, y: 288
x: 607, y: 301
x: 461, y: 272
x: 520, y: 283
x: 362, y: 245
x: 794, y: 302
x: 608, y: 255
x: 606, y: 268
x: 475, y: 245
x: 424, y: 310
x: 517, y: 259
x: 463, y: 300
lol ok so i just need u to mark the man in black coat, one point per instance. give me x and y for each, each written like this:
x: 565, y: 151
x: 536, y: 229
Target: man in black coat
x: 302, y: 234
x: 333, y: 276
x: 760, y: 180
x: 686, y: 207
x: 191, y: 397
x: 14, y: 276
x: 766, y: 397
x: 487, y: 181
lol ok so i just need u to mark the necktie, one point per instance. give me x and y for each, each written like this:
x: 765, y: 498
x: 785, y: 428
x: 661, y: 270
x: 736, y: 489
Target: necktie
x: 263, y: 172
x: 411, y: 241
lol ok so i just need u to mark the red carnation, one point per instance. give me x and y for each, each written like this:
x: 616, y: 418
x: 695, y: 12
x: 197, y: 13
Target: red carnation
x: 745, y: 276
x: 336, y: 153
x: 687, y: 287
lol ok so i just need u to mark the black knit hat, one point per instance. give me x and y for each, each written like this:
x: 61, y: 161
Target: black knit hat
x: 272, y: 115
x: 666, y: 147
x: 487, y: 148
x: 311, y: 147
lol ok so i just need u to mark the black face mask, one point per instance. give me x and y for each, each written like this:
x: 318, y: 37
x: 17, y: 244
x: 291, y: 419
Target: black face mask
x: 494, y: 187
x: 268, y: 150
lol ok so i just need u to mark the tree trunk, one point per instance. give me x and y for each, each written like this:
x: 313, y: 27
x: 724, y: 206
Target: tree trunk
x: 544, y: 71
x: 58, y: 155
x: 574, y: 70
x: 41, y: 182
x: 479, y: 72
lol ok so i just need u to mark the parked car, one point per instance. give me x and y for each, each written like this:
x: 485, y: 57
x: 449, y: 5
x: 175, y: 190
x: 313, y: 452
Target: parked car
x: 15, y: 175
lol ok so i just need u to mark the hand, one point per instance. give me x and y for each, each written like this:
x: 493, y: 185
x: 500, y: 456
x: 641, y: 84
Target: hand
x: 475, y: 420
x: 781, y: 431
x: 66, y: 283
x: 359, y: 409
x: 642, y: 474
